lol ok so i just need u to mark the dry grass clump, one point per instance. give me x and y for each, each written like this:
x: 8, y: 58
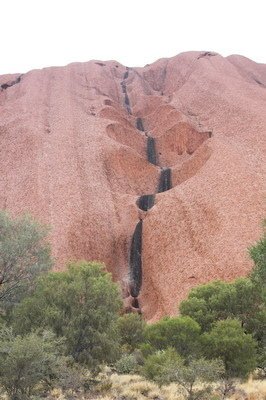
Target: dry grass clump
x: 251, y: 390
x: 135, y: 387
x: 172, y: 392
x: 122, y: 380
x: 57, y: 394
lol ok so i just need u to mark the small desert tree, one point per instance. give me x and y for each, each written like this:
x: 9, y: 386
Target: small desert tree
x: 258, y: 255
x: 80, y: 304
x: 228, y: 341
x: 194, y: 376
x: 243, y: 299
x: 24, y: 254
x: 180, y: 333
x: 258, y: 278
x: 157, y: 365
x: 27, y: 361
x: 219, y: 300
x: 130, y: 329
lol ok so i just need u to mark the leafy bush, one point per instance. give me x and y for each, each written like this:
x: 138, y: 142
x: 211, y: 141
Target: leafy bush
x: 219, y: 300
x: 131, y: 331
x: 243, y: 299
x: 180, y: 333
x: 157, y: 365
x: 258, y: 277
x: 258, y: 255
x: 228, y: 341
x: 193, y: 376
x: 127, y: 364
x: 196, y: 376
x: 24, y: 254
x: 80, y: 304
x: 27, y: 361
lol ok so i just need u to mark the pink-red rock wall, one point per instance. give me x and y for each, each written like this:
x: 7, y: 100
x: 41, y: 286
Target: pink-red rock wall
x: 71, y: 155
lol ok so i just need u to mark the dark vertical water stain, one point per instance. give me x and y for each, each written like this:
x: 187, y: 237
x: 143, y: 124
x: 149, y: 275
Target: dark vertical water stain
x: 151, y: 150
x: 124, y: 90
x: 123, y: 86
x: 135, y: 262
x: 127, y: 103
x: 165, y: 182
x: 139, y: 124
x: 146, y: 202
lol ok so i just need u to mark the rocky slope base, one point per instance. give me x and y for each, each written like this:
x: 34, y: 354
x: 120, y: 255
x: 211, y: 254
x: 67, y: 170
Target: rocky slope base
x: 158, y: 171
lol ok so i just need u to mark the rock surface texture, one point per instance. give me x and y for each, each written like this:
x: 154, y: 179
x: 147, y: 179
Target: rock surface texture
x: 83, y: 145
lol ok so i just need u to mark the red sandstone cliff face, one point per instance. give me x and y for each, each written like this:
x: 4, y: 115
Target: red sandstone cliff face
x: 74, y: 154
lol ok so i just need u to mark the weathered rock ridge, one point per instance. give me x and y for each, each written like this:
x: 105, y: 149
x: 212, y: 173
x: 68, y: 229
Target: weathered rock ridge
x: 158, y: 171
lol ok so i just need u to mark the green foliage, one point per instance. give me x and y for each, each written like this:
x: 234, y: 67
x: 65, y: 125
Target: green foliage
x: 204, y: 305
x: 244, y: 299
x: 127, y: 364
x: 258, y: 328
x: 258, y: 255
x: 27, y: 361
x: 180, y: 333
x: 156, y: 366
x: 80, y: 304
x: 220, y: 300
x: 130, y: 329
x: 257, y: 321
x: 193, y: 376
x: 228, y: 341
x: 196, y: 376
x: 24, y: 254
x: 72, y: 377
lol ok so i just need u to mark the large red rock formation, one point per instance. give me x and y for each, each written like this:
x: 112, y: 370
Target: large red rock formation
x: 71, y: 155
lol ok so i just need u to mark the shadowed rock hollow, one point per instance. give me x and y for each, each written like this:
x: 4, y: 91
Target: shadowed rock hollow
x: 83, y: 145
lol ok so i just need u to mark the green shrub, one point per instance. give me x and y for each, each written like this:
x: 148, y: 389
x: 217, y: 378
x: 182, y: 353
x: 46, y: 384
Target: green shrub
x: 228, y: 341
x: 243, y: 299
x: 193, y: 376
x: 157, y: 365
x: 24, y: 254
x: 131, y: 331
x: 28, y: 361
x: 258, y: 255
x: 219, y: 300
x: 180, y: 333
x: 80, y: 304
x: 127, y: 364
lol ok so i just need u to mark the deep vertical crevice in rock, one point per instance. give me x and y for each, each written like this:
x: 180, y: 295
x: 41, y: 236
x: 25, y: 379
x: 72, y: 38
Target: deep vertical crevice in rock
x: 127, y: 103
x: 135, y: 303
x: 151, y: 150
x: 165, y: 182
x: 139, y: 125
x: 126, y: 73
x: 124, y: 90
x: 146, y: 201
x: 135, y: 262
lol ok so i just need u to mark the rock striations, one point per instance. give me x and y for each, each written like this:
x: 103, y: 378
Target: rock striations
x: 158, y: 171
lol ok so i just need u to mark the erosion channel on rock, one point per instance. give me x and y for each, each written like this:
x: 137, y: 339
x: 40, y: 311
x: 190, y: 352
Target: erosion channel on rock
x: 145, y: 203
